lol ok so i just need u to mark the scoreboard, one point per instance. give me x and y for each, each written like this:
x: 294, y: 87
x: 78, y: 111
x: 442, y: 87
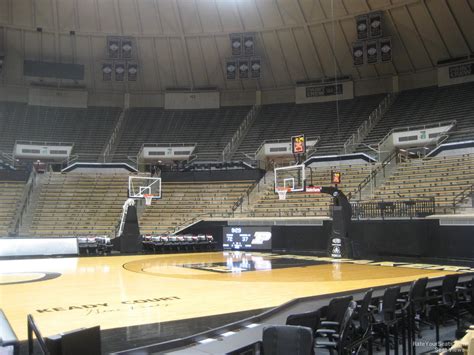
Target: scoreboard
x: 247, y: 238
x: 298, y: 144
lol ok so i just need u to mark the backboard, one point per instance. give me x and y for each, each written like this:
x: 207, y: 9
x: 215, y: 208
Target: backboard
x: 291, y: 178
x: 138, y: 186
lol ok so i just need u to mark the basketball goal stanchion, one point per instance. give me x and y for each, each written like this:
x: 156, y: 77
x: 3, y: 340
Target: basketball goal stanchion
x: 148, y: 199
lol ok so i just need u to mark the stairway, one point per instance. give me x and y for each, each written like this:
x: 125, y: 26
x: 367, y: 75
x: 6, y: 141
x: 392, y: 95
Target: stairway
x: 31, y: 204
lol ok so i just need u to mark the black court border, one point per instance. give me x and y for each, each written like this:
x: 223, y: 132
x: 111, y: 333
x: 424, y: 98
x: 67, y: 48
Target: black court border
x: 47, y: 276
x: 216, y: 333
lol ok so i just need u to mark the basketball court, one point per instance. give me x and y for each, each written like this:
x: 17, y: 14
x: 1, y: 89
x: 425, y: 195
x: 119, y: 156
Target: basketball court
x: 123, y: 291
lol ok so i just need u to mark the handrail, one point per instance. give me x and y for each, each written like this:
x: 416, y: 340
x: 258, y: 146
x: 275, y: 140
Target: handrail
x: 407, y: 208
x: 462, y: 195
x: 234, y: 207
x: 200, y: 217
x: 374, y: 173
x: 9, y: 157
x: 113, y: 136
x: 443, y: 138
x: 33, y: 329
x: 369, y: 123
x: 25, y: 200
x: 194, y: 144
x: 248, y: 120
x: 70, y: 159
x: 44, y: 143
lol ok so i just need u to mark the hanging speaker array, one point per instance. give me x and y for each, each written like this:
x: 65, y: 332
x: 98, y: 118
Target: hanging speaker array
x: 371, y: 47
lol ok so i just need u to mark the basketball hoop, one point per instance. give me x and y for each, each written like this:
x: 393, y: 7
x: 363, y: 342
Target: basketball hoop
x: 148, y: 198
x: 282, y: 192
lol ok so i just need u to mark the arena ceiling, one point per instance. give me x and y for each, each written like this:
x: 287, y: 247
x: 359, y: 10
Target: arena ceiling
x: 184, y: 43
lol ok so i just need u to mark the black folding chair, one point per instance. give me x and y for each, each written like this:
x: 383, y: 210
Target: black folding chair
x: 388, y: 318
x: 339, y: 342
x: 287, y: 339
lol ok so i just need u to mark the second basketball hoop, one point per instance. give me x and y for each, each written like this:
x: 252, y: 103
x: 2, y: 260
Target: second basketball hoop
x: 282, y: 193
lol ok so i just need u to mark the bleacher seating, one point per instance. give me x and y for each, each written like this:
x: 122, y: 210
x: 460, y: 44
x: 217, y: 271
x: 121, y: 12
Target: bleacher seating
x: 440, y: 177
x: 79, y: 204
x: 426, y: 106
x: 182, y: 202
x: 89, y: 129
x: 10, y: 196
x: 211, y: 129
x: 305, y: 204
x: 281, y: 121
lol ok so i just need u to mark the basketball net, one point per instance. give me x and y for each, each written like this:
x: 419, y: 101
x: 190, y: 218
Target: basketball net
x: 282, y: 193
x: 148, y: 198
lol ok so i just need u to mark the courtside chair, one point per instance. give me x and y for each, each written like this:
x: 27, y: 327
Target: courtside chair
x: 341, y: 341
x: 444, y: 302
x: 307, y: 319
x: 287, y: 339
x: 385, y: 322
x: 363, y: 324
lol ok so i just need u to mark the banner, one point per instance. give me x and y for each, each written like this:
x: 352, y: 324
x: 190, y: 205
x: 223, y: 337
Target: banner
x: 358, y: 53
x: 236, y: 44
x: 132, y: 71
x: 119, y: 71
x: 2, y: 60
x: 459, y: 71
x: 231, y: 69
x: 113, y: 46
x: 243, y: 68
x: 375, y: 24
x: 249, y: 45
x: 372, y: 52
x: 106, y: 71
x: 362, y: 27
x: 126, y: 48
x: 255, y: 68
x: 325, y: 90
x: 385, y: 47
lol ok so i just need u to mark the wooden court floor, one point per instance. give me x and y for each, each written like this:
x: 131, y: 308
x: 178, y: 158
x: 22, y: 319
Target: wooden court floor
x: 119, y: 291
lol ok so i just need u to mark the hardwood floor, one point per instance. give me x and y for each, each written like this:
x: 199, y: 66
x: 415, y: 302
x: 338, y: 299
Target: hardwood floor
x: 124, y: 291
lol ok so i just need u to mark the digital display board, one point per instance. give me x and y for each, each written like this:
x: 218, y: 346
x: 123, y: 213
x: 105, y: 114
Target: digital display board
x: 336, y: 177
x: 247, y: 238
x: 298, y: 144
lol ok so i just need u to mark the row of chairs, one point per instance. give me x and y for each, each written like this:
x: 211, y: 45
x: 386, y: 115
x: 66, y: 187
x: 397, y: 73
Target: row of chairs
x: 93, y: 245
x: 178, y: 243
x: 346, y: 327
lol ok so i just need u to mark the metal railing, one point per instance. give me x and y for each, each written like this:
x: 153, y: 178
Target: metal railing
x: 9, y: 158
x: 187, y: 223
x: 460, y: 197
x: 168, y: 145
x: 229, y: 214
x: 44, y: 143
x: 368, y: 124
x: 113, y: 137
x: 25, y: 200
x: 33, y: 330
x: 393, y: 209
x: 372, y: 177
x: 248, y: 120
